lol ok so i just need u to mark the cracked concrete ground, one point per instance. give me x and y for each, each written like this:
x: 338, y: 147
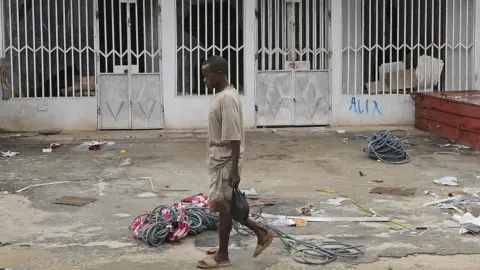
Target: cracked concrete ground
x: 288, y: 164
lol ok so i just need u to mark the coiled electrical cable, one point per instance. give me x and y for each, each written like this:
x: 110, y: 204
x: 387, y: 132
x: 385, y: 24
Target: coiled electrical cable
x: 385, y: 147
x: 155, y: 226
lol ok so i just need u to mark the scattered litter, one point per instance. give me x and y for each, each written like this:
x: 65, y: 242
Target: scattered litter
x: 199, y: 200
x: 167, y: 186
x: 393, y: 191
x: 447, y: 200
x: 44, y: 184
x: 471, y: 190
x: 121, y: 215
x: 21, y: 135
x: 336, y: 201
x: 3, y: 244
x: 96, y: 145
x: 73, y: 200
x: 250, y: 193
x: 345, y: 140
x: 55, y: 145
x: 46, y: 150
x: 126, y: 162
x: 367, y: 210
x: 9, y: 154
x: 361, y: 174
x: 378, y: 181
x: 4, y: 192
x: 447, y: 181
x: 307, y: 210
x: 422, y: 227
x: 429, y: 192
x: 300, y: 222
x: 282, y: 222
x: 123, y: 151
x: 146, y: 195
x: 320, y: 130
x: 470, y: 223
x: 329, y: 219
x: 341, y: 131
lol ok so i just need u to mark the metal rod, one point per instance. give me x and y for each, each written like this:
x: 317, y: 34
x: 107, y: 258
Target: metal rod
x: 72, y: 46
x: 27, y: 49
x: 199, y: 65
x: 262, y: 33
x: 377, y: 46
x: 315, y: 34
x: 190, y: 46
x: 369, y: 81
x: 152, y: 35
x: 43, y: 48
x: 356, y: 49
x: 440, y: 44
x: 87, y: 41
x: 183, y: 46
x: 270, y: 35
x: 144, y: 55
x: 12, y: 83
x: 114, y: 48
x: 20, y: 86
x: 80, y: 52
x: 35, y: 49
x: 237, y: 47
x: 105, y: 35
x: 277, y: 35
x: 349, y: 46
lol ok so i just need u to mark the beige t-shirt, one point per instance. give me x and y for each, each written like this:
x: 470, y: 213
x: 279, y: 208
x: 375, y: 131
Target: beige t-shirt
x: 225, y: 124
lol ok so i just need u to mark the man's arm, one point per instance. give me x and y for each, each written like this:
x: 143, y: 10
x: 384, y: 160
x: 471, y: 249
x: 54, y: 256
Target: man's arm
x: 231, y: 131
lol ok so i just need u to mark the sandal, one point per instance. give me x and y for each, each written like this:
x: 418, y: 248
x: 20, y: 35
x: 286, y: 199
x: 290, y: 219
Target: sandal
x: 261, y: 247
x: 211, y: 263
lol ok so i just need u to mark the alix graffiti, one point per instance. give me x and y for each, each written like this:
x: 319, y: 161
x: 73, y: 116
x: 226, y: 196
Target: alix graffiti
x: 366, y: 106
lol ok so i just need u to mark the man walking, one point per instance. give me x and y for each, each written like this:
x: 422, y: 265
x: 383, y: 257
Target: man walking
x: 225, y: 156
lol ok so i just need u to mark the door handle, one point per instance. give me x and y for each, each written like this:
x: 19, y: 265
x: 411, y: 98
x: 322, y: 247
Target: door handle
x: 125, y: 71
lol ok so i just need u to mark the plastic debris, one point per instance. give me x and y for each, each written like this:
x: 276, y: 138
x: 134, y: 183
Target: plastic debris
x: 429, y: 192
x: 336, y: 201
x: 341, y: 131
x: 10, y: 154
x: 250, y: 193
x: 46, y: 150
x: 470, y: 223
x: 447, y: 181
x: 361, y: 174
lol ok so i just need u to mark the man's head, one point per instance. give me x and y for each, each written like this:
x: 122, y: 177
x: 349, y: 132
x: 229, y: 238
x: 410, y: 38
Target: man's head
x: 215, y: 72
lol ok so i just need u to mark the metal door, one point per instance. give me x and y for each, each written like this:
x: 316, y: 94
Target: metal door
x: 129, y: 64
x: 293, y: 57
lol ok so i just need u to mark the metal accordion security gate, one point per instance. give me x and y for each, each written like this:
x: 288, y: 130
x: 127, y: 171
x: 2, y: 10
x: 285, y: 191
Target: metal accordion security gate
x: 293, y: 63
x: 129, y: 64
x: 405, y: 46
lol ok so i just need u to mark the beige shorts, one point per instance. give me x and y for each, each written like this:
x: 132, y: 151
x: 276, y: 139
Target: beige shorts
x: 220, y: 192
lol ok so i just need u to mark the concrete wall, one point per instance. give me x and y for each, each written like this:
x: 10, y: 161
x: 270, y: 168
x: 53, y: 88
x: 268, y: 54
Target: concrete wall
x: 79, y: 114
x: 192, y: 112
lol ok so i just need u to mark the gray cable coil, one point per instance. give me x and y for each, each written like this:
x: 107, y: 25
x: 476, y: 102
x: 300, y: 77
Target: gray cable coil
x: 200, y: 220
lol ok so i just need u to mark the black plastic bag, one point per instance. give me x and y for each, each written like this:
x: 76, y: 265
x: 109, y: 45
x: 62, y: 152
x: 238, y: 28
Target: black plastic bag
x: 240, y: 209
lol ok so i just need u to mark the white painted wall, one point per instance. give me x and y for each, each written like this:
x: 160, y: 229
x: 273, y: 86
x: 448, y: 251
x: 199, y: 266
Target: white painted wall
x: 76, y: 114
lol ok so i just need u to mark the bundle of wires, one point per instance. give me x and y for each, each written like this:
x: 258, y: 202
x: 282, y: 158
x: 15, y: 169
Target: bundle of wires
x: 385, y: 147
x: 166, y: 223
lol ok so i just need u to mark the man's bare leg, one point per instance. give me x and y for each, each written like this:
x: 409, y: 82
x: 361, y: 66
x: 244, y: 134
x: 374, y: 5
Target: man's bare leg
x: 259, y: 231
x: 225, y: 227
